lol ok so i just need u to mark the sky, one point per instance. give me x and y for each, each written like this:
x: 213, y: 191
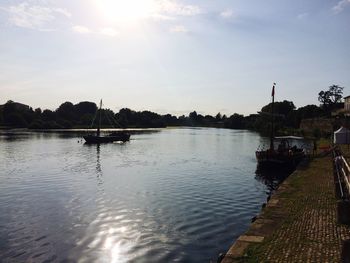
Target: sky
x: 173, y: 56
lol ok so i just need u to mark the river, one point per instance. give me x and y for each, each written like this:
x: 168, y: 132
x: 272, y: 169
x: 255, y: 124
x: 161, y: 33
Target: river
x: 172, y: 195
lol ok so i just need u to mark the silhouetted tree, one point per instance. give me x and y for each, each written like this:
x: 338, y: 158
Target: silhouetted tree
x: 331, y: 97
x: 17, y: 114
x: 284, y: 107
x: 85, y: 107
x: 38, y: 112
x: 235, y: 121
x: 48, y: 115
x: 66, y: 111
x: 193, y: 115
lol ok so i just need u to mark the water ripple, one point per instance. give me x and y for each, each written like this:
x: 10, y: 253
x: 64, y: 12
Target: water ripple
x: 180, y: 195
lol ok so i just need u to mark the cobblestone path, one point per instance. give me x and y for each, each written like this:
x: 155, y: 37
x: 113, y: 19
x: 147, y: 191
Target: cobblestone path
x: 306, y: 228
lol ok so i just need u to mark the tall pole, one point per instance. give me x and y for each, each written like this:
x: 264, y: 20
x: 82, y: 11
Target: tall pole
x: 347, y: 130
x: 99, y: 119
x: 272, y: 116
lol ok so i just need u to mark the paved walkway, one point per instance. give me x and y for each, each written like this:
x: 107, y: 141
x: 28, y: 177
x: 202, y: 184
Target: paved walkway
x: 299, y: 222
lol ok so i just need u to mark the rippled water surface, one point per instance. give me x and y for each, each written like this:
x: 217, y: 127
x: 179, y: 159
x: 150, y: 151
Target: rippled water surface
x: 176, y: 195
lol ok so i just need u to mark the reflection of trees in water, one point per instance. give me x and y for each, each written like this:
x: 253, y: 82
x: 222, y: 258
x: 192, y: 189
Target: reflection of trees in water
x: 272, y: 178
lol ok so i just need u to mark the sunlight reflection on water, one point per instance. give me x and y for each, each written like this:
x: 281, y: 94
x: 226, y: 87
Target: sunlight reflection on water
x: 179, y: 195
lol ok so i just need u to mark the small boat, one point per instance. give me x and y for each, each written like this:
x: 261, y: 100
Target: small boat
x: 285, y: 155
x: 114, y: 136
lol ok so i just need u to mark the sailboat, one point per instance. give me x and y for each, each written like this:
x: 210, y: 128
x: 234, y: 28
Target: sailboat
x: 286, y: 155
x: 122, y: 136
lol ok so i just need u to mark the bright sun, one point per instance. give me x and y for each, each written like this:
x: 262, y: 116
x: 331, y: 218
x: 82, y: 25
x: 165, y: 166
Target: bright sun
x: 125, y: 10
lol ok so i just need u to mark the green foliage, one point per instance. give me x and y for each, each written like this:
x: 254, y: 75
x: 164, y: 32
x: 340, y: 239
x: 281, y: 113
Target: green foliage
x: 331, y: 97
x: 36, y: 124
x: 16, y: 119
x: 283, y: 108
x: 66, y: 111
x: 48, y: 115
x: 85, y: 107
x: 81, y: 115
x: 235, y: 121
x: 16, y: 114
x: 316, y: 133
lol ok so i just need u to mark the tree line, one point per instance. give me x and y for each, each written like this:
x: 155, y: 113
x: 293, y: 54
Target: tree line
x: 82, y: 114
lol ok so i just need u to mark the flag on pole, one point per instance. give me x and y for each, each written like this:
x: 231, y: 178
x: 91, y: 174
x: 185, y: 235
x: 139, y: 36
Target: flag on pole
x: 273, y: 90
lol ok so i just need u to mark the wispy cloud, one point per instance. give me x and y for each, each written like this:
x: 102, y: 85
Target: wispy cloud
x: 31, y: 16
x: 108, y: 31
x: 179, y: 29
x: 340, y: 6
x: 160, y: 17
x: 172, y: 7
x: 228, y: 13
x: 81, y: 29
x: 63, y: 12
x: 302, y: 16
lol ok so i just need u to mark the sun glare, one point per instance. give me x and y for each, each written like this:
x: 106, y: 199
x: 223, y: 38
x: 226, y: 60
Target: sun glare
x: 125, y: 10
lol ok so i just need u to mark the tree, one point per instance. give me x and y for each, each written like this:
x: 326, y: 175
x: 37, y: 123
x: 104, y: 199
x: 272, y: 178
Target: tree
x: 331, y: 97
x: 38, y: 111
x: 193, y: 115
x: 66, y: 111
x: 85, y: 107
x: 17, y: 114
x: 283, y: 107
x: 309, y: 111
x: 235, y: 121
x: 125, y: 117
x: 48, y: 115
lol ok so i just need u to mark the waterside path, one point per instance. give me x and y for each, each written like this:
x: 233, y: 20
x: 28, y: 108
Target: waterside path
x: 299, y: 223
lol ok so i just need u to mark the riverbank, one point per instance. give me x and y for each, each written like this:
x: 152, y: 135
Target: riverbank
x: 299, y: 222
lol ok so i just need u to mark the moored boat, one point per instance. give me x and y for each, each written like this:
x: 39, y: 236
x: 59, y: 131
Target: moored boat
x: 284, y: 155
x: 114, y: 136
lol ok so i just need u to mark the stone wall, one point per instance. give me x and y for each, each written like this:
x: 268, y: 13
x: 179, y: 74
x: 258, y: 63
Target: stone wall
x: 322, y: 124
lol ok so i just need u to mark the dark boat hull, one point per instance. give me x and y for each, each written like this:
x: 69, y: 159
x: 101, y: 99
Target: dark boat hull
x: 105, y: 139
x: 268, y: 160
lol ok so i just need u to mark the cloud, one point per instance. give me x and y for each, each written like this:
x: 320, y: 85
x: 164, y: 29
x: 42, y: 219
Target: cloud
x: 108, y: 31
x: 33, y: 16
x: 228, y: 13
x: 63, y: 12
x: 174, y: 8
x: 340, y: 6
x: 302, y: 16
x: 178, y: 29
x: 81, y: 29
x: 160, y: 17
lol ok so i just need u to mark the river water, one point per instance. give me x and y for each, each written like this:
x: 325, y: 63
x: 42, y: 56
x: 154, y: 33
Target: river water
x: 172, y: 195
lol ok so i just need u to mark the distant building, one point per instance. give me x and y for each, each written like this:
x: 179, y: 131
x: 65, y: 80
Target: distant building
x: 345, y: 110
x: 347, y: 105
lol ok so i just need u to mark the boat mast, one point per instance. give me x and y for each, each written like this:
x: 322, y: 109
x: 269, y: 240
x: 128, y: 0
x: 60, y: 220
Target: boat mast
x: 99, y: 119
x: 272, y: 116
